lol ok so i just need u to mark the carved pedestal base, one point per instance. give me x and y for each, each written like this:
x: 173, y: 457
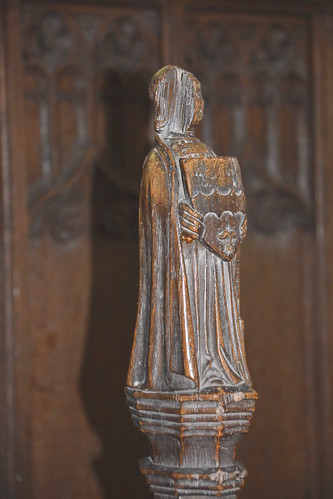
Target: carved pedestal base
x: 171, y: 482
x: 192, y: 437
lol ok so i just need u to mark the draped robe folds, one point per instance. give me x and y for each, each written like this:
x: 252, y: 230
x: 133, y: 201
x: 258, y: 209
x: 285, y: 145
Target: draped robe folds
x: 188, y: 332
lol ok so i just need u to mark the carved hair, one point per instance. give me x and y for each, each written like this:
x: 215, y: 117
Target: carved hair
x: 172, y: 91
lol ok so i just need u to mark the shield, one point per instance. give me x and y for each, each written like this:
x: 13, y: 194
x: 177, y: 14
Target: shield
x: 214, y: 186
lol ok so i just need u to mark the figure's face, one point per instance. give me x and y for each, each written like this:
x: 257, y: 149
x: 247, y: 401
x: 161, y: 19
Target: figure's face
x: 198, y: 103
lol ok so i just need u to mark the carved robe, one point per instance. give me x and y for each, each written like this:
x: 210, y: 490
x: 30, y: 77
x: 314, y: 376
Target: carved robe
x: 188, y: 331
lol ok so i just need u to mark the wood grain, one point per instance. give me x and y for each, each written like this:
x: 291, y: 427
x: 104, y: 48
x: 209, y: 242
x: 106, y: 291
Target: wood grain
x: 75, y: 65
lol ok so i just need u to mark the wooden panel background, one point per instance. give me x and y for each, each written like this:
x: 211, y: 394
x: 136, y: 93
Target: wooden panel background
x: 79, y: 120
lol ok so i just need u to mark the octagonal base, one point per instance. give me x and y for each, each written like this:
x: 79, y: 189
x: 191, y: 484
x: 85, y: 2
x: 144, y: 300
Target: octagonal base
x: 192, y: 437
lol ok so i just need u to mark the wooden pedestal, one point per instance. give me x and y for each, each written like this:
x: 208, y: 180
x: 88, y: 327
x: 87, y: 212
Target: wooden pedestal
x: 192, y: 436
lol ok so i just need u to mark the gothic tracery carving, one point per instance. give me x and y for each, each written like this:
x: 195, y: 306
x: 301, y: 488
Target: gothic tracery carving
x: 267, y: 82
x: 262, y: 87
x: 62, y: 54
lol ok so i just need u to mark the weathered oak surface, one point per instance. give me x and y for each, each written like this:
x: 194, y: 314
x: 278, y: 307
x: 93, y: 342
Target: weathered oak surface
x: 189, y: 390
x: 69, y: 294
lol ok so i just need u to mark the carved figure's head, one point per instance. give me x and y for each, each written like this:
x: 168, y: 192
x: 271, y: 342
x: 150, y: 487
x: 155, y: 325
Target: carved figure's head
x: 177, y: 99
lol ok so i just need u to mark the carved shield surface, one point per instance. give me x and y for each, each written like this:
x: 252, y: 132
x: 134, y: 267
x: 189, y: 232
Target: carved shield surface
x: 214, y: 184
x: 215, y: 188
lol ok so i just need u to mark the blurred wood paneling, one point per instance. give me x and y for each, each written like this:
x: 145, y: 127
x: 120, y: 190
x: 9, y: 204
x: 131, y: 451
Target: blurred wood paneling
x: 75, y: 127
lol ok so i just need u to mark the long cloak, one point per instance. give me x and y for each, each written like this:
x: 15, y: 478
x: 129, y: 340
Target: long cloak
x: 188, y: 332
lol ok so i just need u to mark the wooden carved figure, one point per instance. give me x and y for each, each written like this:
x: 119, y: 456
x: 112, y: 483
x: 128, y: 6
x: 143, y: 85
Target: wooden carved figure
x: 188, y: 386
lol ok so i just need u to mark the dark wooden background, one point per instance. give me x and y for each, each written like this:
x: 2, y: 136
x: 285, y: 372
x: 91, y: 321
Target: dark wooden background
x: 75, y: 126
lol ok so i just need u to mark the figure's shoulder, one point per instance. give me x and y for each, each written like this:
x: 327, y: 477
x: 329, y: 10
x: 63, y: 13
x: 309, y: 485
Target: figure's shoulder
x: 153, y: 156
x: 155, y: 180
x: 154, y: 163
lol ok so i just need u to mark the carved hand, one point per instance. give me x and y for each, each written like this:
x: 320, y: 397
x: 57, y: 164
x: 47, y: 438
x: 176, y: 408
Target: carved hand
x: 191, y: 223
